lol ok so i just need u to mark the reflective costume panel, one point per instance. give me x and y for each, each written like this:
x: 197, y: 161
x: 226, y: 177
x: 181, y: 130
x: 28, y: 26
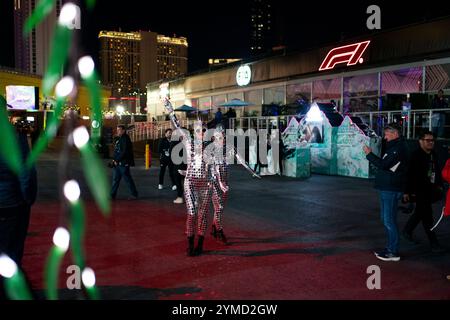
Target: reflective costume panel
x: 196, y: 187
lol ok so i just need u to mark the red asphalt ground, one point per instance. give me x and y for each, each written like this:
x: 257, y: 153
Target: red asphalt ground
x: 139, y: 253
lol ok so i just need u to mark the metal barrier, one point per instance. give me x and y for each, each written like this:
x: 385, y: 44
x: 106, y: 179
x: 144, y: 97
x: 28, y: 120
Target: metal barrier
x: 143, y: 131
x: 412, y: 122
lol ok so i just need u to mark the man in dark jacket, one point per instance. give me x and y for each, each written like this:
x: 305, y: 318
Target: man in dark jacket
x: 17, y: 195
x: 425, y: 186
x: 390, y: 181
x: 123, y: 160
x: 165, y: 150
x: 180, y: 165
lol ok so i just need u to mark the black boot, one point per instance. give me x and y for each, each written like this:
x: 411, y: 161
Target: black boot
x: 199, y: 249
x: 221, y: 237
x: 214, y: 231
x: 190, y: 249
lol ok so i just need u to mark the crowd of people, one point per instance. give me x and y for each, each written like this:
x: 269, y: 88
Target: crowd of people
x: 411, y: 178
x: 415, y: 178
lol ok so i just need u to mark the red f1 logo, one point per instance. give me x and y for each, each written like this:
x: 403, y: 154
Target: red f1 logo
x: 351, y: 54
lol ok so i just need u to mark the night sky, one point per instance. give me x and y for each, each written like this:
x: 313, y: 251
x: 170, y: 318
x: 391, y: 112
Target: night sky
x: 222, y: 28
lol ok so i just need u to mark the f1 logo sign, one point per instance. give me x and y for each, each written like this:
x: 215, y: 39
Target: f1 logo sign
x: 350, y: 54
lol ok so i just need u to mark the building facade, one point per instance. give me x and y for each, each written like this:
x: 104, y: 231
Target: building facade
x: 261, y: 26
x: 121, y: 55
x: 32, y: 52
x: 172, y: 56
x: 412, y: 62
x: 130, y: 60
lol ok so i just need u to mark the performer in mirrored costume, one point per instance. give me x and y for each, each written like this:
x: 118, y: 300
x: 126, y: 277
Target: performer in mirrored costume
x: 196, y: 189
x: 218, y: 181
x: 206, y: 180
x: 217, y: 155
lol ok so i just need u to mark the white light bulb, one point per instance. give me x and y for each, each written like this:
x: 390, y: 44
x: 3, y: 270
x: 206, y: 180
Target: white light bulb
x: 86, y: 66
x: 68, y: 14
x: 65, y: 87
x: 8, y: 267
x: 72, y: 191
x: 61, y: 238
x: 88, y: 277
x: 80, y: 137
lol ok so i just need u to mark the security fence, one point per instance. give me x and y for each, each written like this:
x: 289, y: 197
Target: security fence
x: 412, y: 123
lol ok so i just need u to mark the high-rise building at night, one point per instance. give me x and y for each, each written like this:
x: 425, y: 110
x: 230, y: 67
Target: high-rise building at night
x: 261, y: 26
x: 130, y: 60
x: 32, y: 52
x: 172, y: 56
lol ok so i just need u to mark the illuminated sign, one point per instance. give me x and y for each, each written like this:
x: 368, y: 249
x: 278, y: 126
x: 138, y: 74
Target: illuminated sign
x: 243, y: 76
x: 22, y: 97
x: 350, y: 54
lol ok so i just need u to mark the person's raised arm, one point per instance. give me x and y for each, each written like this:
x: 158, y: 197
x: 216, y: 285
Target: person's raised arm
x: 176, y: 123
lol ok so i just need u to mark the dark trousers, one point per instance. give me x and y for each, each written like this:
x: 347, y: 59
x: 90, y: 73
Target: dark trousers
x: 118, y: 173
x: 162, y: 171
x: 180, y: 183
x: 424, y: 213
x: 14, y: 224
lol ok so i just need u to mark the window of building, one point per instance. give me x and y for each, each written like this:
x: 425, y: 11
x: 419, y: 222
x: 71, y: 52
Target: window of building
x: 255, y: 98
x: 204, y: 103
x: 274, y: 95
x: 361, y: 93
x: 327, y: 90
x: 437, y: 77
x: 217, y: 100
x: 298, y: 92
x: 407, y: 80
x: 194, y: 103
x: 236, y: 95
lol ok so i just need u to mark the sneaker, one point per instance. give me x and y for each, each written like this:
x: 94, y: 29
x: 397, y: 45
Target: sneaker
x: 380, y: 252
x: 132, y: 198
x: 178, y: 200
x: 388, y: 256
x: 174, y: 188
x: 160, y: 186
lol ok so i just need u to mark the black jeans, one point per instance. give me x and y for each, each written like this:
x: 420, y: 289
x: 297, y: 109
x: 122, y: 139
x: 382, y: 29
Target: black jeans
x: 424, y: 213
x: 180, y: 183
x: 163, y: 166
x: 118, y: 173
x: 14, y: 224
